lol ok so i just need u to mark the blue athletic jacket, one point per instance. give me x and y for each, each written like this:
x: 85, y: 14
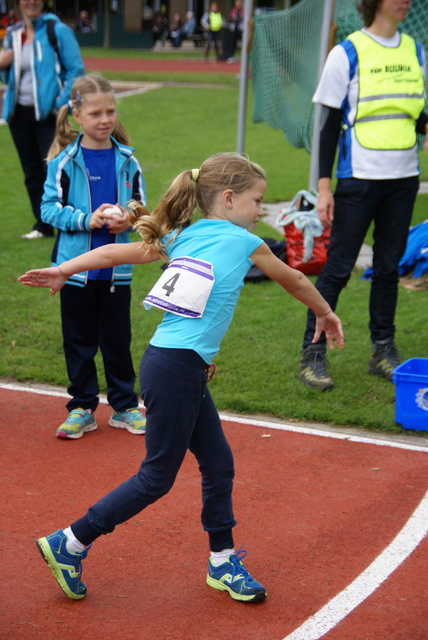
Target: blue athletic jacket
x: 52, y: 78
x: 66, y: 204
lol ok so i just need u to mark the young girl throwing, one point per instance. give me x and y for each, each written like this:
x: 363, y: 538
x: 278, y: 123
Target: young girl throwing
x: 207, y: 263
x: 88, y: 173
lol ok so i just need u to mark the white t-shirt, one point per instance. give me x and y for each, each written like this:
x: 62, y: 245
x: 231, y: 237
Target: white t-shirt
x: 334, y: 87
x: 26, y: 90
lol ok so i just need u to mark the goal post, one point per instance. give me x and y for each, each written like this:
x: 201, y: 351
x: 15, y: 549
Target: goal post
x: 327, y: 20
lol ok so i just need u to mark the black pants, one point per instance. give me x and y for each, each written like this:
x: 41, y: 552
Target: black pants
x: 180, y: 415
x: 213, y: 37
x: 32, y: 139
x: 93, y: 316
x: 237, y: 37
x: 389, y: 204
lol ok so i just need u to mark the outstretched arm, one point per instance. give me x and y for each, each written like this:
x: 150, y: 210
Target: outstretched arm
x: 109, y: 255
x: 301, y: 288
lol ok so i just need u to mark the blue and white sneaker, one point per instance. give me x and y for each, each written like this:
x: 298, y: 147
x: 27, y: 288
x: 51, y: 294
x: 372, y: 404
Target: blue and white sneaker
x: 132, y: 420
x: 233, y: 577
x: 79, y: 421
x: 65, y: 565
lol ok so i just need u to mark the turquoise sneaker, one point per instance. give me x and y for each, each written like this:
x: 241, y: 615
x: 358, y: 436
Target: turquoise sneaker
x: 79, y: 421
x: 132, y: 420
x: 232, y: 576
x: 65, y: 566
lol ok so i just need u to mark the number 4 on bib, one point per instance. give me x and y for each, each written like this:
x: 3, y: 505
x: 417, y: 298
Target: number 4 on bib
x: 183, y: 288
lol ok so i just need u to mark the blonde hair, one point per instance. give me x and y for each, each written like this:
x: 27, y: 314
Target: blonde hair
x: 82, y: 87
x: 191, y: 190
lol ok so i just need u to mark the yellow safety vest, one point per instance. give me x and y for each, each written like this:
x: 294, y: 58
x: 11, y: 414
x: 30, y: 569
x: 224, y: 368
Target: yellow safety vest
x: 390, y: 95
x: 216, y: 21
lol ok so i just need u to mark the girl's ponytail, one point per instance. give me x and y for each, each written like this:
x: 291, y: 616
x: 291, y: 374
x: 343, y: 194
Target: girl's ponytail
x: 64, y: 133
x: 174, y: 212
x: 120, y: 133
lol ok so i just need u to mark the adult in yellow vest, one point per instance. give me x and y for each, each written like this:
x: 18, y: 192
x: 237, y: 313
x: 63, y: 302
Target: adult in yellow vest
x: 372, y: 97
x: 213, y: 23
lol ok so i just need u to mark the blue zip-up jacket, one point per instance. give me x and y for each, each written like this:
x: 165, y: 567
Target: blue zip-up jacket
x: 66, y: 204
x: 52, y: 77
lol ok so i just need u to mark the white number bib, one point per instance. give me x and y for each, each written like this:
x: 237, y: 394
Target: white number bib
x: 183, y: 288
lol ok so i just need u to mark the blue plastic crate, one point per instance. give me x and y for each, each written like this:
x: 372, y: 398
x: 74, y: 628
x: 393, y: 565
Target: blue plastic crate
x: 411, y: 394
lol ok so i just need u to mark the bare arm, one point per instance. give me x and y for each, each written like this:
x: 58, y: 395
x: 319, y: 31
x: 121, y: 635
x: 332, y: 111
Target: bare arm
x: 298, y: 285
x: 109, y: 255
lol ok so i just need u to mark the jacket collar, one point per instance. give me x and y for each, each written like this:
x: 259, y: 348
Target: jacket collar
x: 75, y: 147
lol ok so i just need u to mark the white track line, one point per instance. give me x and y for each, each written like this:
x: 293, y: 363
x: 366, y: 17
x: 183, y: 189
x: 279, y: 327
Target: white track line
x: 134, y: 92
x: 367, y: 582
x: 326, y: 433
x: 282, y: 426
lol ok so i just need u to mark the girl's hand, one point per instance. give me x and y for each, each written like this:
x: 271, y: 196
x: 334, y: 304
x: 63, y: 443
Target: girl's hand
x: 51, y: 278
x: 96, y: 221
x: 116, y: 224
x: 331, y: 325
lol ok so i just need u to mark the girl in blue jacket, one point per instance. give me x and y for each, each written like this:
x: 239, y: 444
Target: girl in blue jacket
x: 41, y: 59
x: 88, y: 174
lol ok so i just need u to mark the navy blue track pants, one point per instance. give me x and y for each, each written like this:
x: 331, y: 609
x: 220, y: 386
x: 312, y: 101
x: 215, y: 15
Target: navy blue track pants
x: 95, y: 317
x: 180, y: 415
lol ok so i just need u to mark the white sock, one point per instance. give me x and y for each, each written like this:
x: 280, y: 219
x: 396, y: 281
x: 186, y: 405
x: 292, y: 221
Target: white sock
x: 72, y: 544
x: 219, y: 557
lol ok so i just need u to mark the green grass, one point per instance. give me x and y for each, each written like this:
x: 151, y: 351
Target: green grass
x: 176, y: 128
x: 220, y: 79
x: 143, y: 54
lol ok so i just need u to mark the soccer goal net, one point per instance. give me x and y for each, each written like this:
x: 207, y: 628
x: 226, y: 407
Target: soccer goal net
x: 284, y: 60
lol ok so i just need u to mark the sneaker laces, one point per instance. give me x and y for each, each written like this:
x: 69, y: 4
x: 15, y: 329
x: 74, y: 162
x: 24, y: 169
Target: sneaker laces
x: 238, y: 568
x: 389, y: 352
x: 317, y: 361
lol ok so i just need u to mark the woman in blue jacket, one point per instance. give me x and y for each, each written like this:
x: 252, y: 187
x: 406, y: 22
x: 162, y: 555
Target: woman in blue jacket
x: 92, y: 174
x: 42, y: 59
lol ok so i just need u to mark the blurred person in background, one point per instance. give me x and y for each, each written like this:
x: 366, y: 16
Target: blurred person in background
x: 38, y: 82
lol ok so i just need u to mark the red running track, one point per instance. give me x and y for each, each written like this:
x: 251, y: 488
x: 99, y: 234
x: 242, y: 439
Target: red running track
x: 312, y: 511
x: 161, y: 65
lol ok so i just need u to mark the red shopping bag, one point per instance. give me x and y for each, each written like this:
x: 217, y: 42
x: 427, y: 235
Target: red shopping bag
x: 304, y: 201
x: 295, y: 251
